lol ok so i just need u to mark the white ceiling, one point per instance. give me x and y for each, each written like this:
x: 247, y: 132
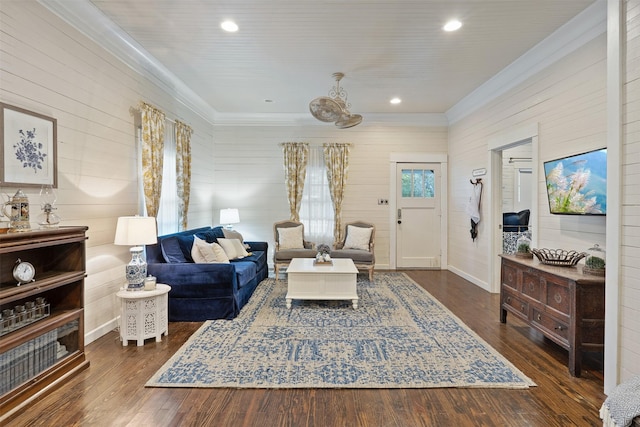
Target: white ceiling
x: 287, y: 50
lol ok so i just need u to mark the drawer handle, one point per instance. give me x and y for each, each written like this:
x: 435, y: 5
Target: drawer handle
x: 559, y: 328
x: 531, y: 286
x: 558, y: 298
x: 508, y: 299
x: 539, y: 317
x: 522, y: 307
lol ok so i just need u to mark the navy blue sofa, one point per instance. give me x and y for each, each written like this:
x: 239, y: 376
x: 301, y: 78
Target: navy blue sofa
x: 205, y: 291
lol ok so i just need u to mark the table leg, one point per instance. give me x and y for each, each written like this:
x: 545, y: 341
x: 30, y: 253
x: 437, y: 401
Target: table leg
x: 288, y: 302
x: 355, y: 303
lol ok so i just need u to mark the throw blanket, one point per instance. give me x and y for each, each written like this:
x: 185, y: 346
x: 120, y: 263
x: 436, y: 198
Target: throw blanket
x: 622, y: 405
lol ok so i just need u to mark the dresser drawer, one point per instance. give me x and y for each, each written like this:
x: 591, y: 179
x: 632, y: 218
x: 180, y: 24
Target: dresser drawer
x: 509, y: 276
x: 551, y: 326
x: 532, y: 285
x: 558, y: 296
x: 515, y: 304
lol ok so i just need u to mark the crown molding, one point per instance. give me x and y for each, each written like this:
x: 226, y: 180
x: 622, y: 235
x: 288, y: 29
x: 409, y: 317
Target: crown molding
x: 584, y: 27
x: 299, y: 119
x: 90, y: 21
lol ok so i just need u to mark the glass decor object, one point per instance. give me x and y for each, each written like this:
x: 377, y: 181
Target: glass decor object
x: 595, y: 262
x: 16, y: 208
x: 48, y: 219
x: 523, y: 247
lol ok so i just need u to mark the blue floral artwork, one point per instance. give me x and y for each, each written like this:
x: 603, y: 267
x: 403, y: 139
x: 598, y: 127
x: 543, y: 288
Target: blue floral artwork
x: 28, y: 147
x: 29, y: 151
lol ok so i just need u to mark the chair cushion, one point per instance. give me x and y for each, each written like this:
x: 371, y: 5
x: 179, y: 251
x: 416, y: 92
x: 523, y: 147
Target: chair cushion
x: 358, y: 237
x: 357, y: 255
x: 289, y: 254
x: 290, y: 237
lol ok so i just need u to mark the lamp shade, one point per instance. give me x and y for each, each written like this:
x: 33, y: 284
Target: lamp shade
x: 136, y: 230
x: 229, y: 216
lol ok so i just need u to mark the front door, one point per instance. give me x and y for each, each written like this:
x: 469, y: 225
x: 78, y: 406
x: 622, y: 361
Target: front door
x: 418, y: 215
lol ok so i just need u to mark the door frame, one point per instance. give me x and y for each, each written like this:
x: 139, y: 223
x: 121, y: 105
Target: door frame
x: 501, y: 142
x: 440, y: 158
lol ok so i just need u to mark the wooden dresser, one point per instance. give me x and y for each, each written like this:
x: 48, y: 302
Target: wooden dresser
x: 562, y: 303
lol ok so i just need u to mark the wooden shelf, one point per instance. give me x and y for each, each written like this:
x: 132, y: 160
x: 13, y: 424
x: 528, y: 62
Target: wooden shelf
x: 43, y: 354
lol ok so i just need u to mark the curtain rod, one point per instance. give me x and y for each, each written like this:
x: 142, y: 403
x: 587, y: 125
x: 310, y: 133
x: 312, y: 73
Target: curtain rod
x: 316, y: 143
x: 138, y: 110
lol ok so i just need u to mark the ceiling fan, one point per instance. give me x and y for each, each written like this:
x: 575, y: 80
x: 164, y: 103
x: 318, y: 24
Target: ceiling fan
x: 334, y: 108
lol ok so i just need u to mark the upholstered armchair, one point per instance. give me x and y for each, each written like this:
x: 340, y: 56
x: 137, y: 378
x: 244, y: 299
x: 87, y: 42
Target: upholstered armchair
x: 289, y: 244
x: 358, y: 244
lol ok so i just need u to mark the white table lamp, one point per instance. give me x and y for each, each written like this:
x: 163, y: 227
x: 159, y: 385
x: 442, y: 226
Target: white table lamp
x: 136, y: 231
x: 228, y: 217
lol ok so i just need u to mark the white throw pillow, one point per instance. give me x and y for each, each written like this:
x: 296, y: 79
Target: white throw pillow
x: 358, y: 238
x: 203, y: 252
x: 240, y: 250
x: 233, y: 248
x: 221, y: 255
x: 290, y: 237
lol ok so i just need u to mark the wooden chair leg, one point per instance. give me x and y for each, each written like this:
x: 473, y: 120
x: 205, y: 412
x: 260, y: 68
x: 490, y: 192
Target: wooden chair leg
x: 371, y: 274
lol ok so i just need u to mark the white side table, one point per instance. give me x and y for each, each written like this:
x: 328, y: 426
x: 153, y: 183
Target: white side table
x: 143, y: 314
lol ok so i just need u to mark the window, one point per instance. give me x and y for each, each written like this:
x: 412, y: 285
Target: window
x: 316, y: 209
x: 418, y: 183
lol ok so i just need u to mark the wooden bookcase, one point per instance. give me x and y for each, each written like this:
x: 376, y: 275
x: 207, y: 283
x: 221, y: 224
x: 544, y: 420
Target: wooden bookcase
x: 48, y: 348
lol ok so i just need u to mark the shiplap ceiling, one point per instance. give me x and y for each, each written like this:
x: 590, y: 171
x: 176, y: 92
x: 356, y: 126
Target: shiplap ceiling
x: 287, y: 50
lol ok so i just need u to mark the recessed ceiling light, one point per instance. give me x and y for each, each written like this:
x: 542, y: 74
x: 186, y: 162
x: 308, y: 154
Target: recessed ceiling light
x: 452, y: 25
x: 395, y: 100
x: 268, y: 101
x: 229, y: 26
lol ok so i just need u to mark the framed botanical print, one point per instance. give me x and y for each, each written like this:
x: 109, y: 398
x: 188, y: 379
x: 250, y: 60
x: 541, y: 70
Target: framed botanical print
x: 28, y: 148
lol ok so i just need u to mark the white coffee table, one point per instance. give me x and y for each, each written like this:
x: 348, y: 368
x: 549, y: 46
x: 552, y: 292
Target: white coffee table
x: 322, y: 282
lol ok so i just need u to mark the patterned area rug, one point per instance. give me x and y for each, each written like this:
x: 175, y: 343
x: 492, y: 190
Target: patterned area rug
x: 399, y: 337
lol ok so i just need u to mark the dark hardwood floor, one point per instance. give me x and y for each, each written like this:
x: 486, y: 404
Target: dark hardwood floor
x: 111, y: 391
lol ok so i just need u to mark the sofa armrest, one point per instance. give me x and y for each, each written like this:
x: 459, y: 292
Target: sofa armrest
x: 258, y: 246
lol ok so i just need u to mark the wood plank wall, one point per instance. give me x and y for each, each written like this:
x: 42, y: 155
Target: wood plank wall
x: 568, y: 102
x: 249, y: 172
x: 49, y: 68
x: 629, y: 353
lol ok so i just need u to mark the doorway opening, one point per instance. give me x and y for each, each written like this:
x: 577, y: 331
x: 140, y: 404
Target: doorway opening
x: 524, y: 143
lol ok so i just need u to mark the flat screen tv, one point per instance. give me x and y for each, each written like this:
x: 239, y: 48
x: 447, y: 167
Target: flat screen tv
x: 577, y: 185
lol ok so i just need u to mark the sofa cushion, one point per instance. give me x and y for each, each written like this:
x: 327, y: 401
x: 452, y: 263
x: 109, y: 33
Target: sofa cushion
x: 207, y: 252
x: 233, y: 248
x: 290, y: 238
x: 358, y: 237
x: 245, y: 271
x: 171, y: 250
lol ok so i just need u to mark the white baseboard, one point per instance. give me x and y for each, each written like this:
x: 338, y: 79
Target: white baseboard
x: 104, y: 329
x: 480, y: 283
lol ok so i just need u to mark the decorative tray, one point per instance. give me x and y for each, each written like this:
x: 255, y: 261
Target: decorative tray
x: 316, y: 262
x: 559, y: 257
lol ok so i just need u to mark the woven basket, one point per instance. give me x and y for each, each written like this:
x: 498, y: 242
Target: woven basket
x: 559, y: 257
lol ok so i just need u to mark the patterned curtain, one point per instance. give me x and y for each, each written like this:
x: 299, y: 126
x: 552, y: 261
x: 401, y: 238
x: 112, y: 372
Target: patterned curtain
x: 336, y: 157
x: 296, y: 155
x: 152, y: 155
x: 183, y: 170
